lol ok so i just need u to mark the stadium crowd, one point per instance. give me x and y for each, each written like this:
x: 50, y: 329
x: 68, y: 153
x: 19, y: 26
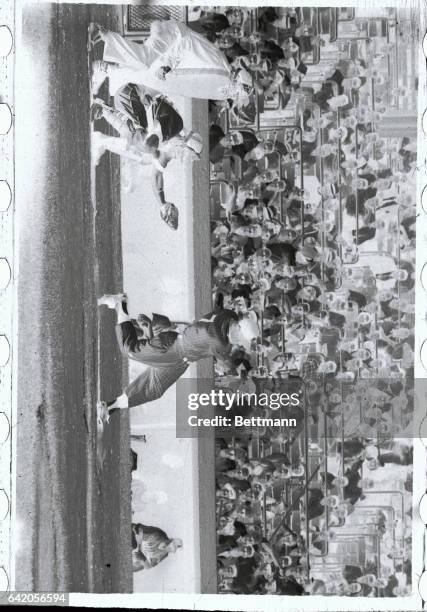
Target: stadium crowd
x: 313, y: 229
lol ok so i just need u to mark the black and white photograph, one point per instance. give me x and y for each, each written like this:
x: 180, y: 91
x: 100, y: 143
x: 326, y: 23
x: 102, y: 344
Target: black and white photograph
x: 218, y: 317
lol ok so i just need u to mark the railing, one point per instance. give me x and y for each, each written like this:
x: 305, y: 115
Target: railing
x: 333, y: 526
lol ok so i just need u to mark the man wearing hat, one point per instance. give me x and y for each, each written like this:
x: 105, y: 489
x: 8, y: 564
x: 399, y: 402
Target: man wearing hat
x: 151, y: 132
x: 167, y: 353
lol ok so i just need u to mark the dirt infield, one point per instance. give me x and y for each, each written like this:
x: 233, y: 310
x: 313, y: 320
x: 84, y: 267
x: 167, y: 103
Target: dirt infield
x: 73, y: 521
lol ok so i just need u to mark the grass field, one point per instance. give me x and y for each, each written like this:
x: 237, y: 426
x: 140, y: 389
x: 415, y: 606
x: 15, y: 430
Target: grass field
x: 73, y: 520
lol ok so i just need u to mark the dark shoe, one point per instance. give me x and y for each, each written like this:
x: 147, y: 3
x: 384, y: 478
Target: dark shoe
x: 95, y: 112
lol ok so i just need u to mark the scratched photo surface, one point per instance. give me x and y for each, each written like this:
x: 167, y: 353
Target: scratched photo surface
x: 228, y: 194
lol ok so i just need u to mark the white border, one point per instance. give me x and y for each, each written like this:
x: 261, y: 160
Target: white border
x: 7, y: 295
